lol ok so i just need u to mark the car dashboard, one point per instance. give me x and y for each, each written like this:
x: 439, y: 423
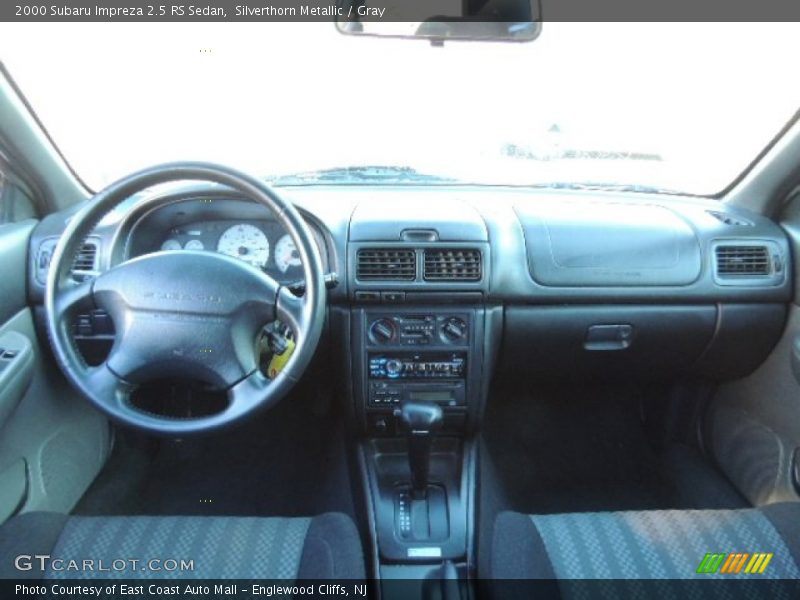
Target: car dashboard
x: 442, y: 290
x: 554, y: 274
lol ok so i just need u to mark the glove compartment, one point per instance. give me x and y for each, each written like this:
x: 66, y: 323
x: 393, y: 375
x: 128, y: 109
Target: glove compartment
x: 610, y: 342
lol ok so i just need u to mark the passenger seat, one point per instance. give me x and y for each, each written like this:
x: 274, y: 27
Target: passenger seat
x: 666, y: 544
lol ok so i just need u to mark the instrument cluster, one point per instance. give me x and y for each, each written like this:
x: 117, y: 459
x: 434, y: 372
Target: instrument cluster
x: 262, y: 244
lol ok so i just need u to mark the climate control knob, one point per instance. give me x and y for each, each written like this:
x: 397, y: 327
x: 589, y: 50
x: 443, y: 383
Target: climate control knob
x: 382, y: 331
x: 454, y: 329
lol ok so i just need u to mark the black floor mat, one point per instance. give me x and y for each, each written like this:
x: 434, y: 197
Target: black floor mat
x: 288, y: 462
x: 568, y: 449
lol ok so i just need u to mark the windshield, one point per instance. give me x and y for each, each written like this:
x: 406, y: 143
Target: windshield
x: 683, y: 107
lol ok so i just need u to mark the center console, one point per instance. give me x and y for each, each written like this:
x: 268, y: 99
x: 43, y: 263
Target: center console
x: 426, y: 354
x: 418, y: 389
x: 420, y: 361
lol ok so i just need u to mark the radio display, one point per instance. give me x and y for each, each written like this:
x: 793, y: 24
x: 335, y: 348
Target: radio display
x: 429, y: 396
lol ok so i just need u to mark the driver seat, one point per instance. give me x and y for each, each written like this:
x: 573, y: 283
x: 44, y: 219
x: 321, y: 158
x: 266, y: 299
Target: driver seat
x: 322, y: 547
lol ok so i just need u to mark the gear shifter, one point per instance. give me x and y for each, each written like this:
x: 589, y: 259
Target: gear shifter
x: 422, y: 420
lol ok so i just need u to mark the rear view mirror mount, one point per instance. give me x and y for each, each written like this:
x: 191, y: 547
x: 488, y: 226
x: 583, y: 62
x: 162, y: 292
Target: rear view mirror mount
x: 442, y: 20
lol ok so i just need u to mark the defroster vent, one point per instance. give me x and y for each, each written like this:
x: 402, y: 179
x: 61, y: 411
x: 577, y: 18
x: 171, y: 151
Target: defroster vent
x: 452, y: 264
x: 386, y: 264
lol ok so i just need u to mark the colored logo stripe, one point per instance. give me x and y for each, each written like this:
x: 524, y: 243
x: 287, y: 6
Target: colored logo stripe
x: 758, y: 563
x: 733, y: 563
x: 710, y: 563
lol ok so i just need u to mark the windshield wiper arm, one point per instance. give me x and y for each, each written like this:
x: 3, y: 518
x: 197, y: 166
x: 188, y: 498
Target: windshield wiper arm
x: 359, y: 174
x: 607, y: 187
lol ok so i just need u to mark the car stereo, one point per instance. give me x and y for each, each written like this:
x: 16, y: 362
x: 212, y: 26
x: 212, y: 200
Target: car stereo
x: 431, y: 376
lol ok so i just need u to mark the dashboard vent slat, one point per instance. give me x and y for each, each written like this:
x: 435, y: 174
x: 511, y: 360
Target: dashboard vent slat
x: 386, y: 264
x: 86, y: 259
x: 452, y: 264
x: 743, y: 261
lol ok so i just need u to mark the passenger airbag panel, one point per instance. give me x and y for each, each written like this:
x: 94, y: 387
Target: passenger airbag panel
x: 608, y: 244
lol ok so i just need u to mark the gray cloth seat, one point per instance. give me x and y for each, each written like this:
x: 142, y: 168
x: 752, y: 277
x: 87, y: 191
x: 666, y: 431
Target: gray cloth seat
x: 321, y: 547
x: 667, y: 544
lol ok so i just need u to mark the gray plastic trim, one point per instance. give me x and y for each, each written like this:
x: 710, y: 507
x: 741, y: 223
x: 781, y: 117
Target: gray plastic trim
x: 16, y: 371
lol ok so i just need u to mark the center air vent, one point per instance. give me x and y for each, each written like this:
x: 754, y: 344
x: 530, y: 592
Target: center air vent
x: 452, y: 264
x: 386, y: 264
x: 743, y: 261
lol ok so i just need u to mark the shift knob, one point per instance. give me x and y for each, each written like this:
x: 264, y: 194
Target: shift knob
x: 421, y: 416
x: 422, y: 420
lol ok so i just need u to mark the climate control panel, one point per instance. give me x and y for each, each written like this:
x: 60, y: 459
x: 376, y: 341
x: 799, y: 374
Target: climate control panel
x: 419, y: 330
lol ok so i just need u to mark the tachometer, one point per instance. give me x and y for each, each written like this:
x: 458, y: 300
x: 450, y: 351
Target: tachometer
x: 286, y: 254
x: 245, y: 242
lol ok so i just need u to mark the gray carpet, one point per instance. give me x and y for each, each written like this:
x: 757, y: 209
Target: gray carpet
x: 290, y: 461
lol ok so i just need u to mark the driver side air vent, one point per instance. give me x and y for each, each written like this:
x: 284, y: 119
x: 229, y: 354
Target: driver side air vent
x: 85, y: 263
x: 386, y: 264
x: 86, y: 259
x: 743, y: 261
x: 452, y: 264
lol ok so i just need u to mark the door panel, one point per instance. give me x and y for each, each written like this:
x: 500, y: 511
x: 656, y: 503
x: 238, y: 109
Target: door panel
x: 52, y: 443
x: 16, y: 352
x: 754, y: 423
x: 14, y: 253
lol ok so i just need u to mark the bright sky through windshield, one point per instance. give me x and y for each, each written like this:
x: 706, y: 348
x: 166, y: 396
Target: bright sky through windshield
x: 683, y: 106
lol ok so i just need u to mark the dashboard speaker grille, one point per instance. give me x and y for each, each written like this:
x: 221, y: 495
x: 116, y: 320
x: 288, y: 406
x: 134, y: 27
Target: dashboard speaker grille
x: 386, y: 264
x: 733, y: 261
x: 452, y: 264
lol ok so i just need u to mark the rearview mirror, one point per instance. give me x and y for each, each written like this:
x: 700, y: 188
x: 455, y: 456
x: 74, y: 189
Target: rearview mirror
x: 441, y: 20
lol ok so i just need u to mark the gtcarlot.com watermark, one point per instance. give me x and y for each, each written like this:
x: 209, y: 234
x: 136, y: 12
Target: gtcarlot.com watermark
x: 46, y: 563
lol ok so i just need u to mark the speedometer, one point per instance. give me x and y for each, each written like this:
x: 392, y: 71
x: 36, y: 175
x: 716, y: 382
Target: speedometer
x: 286, y: 254
x: 245, y: 242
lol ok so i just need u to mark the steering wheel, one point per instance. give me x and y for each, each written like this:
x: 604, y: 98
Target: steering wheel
x: 193, y: 315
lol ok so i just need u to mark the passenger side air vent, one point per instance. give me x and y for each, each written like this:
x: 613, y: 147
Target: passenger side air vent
x: 743, y: 261
x: 386, y: 264
x: 452, y: 264
x: 86, y: 259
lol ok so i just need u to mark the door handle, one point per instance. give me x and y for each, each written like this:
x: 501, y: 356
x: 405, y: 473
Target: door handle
x: 608, y: 337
